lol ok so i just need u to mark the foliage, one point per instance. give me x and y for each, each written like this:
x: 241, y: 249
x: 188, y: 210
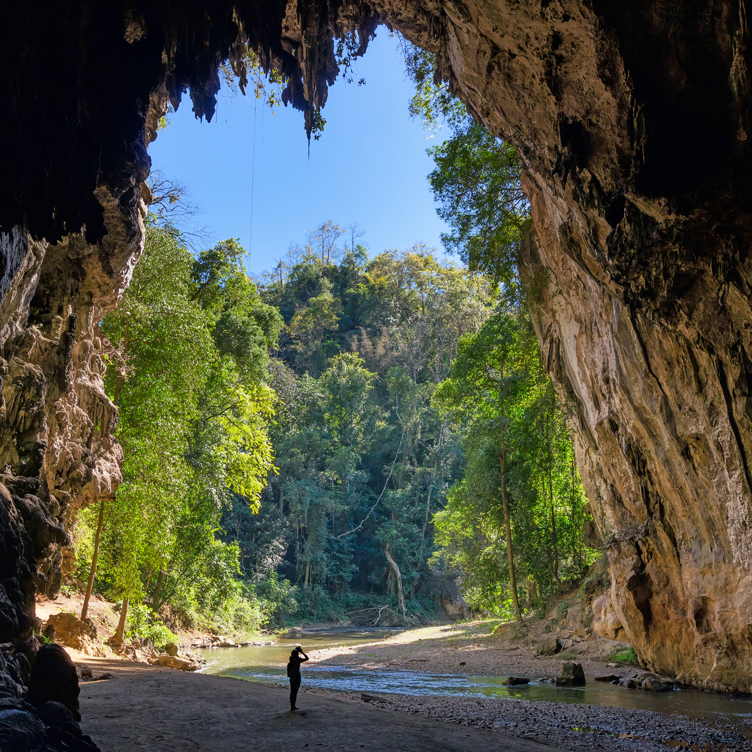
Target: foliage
x: 476, y: 184
x: 144, y: 624
x: 364, y: 459
x: 432, y: 102
x: 186, y: 367
x: 497, y: 392
x: 267, y: 84
x: 625, y: 656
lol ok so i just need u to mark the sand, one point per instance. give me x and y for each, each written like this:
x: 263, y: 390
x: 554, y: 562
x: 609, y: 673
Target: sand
x: 146, y: 708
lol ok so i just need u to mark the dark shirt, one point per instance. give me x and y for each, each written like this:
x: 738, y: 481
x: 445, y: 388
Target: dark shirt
x: 293, y: 667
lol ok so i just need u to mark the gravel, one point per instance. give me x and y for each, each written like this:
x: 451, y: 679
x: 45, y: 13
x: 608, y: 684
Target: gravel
x: 572, y: 727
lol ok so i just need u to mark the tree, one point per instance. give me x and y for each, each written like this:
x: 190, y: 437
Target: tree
x: 484, y: 381
x: 476, y: 184
x: 513, y: 430
x: 364, y: 458
x: 162, y: 362
x: 186, y: 368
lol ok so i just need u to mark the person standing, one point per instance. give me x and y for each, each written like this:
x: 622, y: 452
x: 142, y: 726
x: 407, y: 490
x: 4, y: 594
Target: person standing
x: 293, y: 671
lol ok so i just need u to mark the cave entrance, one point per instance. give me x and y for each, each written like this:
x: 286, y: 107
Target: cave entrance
x: 251, y: 173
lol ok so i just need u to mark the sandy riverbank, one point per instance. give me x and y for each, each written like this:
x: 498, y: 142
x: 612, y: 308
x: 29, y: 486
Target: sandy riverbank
x: 149, y: 708
x: 474, y: 649
x: 154, y: 709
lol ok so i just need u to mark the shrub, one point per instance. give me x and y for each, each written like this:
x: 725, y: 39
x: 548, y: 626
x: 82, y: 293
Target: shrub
x: 624, y: 657
x: 144, y: 624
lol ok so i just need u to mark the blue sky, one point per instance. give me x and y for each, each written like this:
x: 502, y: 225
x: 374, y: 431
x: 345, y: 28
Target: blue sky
x: 369, y: 167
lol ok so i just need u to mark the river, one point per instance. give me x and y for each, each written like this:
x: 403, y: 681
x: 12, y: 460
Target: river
x: 267, y: 664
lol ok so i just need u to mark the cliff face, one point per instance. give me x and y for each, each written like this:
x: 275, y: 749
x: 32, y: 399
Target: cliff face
x: 632, y: 121
x: 634, y: 131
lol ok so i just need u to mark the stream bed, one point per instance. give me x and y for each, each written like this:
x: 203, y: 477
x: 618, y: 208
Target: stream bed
x: 267, y: 664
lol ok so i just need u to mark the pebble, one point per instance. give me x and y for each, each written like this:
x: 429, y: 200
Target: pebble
x: 576, y: 728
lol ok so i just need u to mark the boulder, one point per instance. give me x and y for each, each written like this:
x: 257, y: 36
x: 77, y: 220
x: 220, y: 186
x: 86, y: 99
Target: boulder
x: 608, y: 678
x: 71, y: 632
x: 514, y: 681
x: 606, y: 621
x: 548, y: 646
x: 57, y: 715
x: 54, y: 678
x: 571, y: 675
x: 655, y: 683
x: 182, y: 664
x: 171, y: 649
x: 20, y: 731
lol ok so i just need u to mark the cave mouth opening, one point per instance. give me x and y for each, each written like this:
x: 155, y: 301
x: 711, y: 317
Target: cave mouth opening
x: 252, y: 174
x: 641, y: 224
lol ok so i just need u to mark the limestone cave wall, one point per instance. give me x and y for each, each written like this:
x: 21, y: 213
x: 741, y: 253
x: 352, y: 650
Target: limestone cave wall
x: 632, y: 121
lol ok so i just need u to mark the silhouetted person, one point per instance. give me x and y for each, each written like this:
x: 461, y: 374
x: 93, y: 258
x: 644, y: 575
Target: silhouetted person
x: 293, y: 671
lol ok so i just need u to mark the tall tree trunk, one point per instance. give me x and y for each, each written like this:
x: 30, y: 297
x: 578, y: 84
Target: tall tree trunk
x: 95, y: 556
x: 100, y: 521
x: 508, y: 529
x: 550, y: 442
x: 398, y: 574
x: 425, y: 523
x: 553, y: 525
x: 120, y: 631
x: 155, y: 603
x: 281, y: 500
x: 307, y: 573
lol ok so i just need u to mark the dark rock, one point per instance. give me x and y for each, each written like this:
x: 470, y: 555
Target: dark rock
x: 654, y: 683
x: 20, y: 731
x: 41, y: 529
x: 54, y: 678
x: 29, y: 648
x: 57, y: 715
x: 24, y: 669
x: 610, y: 678
x: 571, y: 675
x: 513, y: 681
x: 548, y: 646
x: 9, y: 627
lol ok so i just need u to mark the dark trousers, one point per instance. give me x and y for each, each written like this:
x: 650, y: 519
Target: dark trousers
x: 294, y: 687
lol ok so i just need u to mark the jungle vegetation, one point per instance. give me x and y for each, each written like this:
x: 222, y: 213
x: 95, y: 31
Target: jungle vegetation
x: 347, y: 430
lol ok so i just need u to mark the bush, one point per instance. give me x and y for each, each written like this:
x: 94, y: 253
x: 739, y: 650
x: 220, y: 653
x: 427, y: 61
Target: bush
x: 624, y: 657
x: 144, y: 624
x: 279, y: 599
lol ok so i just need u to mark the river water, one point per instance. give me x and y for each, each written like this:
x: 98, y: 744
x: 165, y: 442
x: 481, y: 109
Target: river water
x: 267, y: 664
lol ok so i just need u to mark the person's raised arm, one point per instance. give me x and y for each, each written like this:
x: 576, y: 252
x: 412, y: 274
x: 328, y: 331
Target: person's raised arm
x: 304, y: 658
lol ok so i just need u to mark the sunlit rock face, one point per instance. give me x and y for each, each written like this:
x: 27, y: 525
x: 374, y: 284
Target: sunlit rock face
x: 632, y: 121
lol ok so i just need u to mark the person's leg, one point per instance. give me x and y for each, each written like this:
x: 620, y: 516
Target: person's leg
x: 294, y: 687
